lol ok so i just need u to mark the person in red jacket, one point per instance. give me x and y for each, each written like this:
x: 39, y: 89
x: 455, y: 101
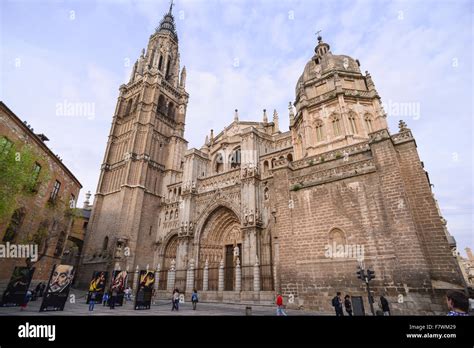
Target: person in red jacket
x: 279, y: 303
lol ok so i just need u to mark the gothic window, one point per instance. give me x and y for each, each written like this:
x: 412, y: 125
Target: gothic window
x: 352, y: 123
x: 160, y: 64
x: 176, y: 214
x: 219, y: 163
x: 235, y: 158
x: 161, y: 105
x: 337, y: 236
x: 54, y: 194
x: 289, y: 157
x: 166, y: 216
x: 336, y: 125
x: 105, y: 244
x: 135, y: 104
x: 168, y: 66
x: 265, y: 166
x: 15, y: 224
x: 319, y: 131
x: 368, y: 123
x: 265, y: 193
x: 171, y: 110
x: 129, y: 107
x: 60, y: 244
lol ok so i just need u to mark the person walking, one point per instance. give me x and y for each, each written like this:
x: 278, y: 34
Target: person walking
x: 337, y: 304
x: 26, y: 300
x: 175, y: 300
x: 348, y: 305
x: 113, y: 298
x: 194, y: 299
x: 385, y: 306
x: 105, y: 298
x: 458, y: 303
x: 279, y: 303
x: 92, y: 301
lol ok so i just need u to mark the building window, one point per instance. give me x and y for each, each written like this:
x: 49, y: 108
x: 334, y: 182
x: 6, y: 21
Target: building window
x: 161, y: 108
x: 54, y: 194
x: 72, y: 201
x: 105, y: 244
x: 219, y: 163
x: 160, y: 64
x: 129, y: 107
x: 319, y: 131
x: 368, y: 123
x: 171, y: 110
x: 5, y: 146
x: 15, y: 224
x: 352, y: 123
x: 336, y: 126
x: 168, y: 66
x: 60, y: 244
x: 235, y: 158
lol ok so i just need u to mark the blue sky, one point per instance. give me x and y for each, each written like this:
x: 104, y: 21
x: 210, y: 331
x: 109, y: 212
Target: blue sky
x: 246, y: 55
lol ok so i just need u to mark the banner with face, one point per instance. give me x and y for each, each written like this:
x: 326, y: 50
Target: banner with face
x: 119, y: 280
x: 15, y: 293
x: 97, y: 285
x: 58, y: 288
x: 146, y: 281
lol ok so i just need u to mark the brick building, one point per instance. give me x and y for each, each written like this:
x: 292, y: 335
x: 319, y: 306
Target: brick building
x: 256, y: 209
x: 43, y: 215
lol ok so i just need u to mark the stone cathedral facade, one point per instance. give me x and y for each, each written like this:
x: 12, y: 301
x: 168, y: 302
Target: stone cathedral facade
x: 258, y: 210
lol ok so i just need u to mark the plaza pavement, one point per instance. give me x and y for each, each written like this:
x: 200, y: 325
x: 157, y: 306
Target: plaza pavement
x: 160, y: 308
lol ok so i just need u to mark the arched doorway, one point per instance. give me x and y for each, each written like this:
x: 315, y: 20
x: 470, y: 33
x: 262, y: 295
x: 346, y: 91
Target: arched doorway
x: 169, y: 255
x: 220, y: 239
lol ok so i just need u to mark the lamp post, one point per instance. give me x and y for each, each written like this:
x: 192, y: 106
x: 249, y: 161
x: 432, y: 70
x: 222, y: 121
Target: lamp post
x: 367, y: 277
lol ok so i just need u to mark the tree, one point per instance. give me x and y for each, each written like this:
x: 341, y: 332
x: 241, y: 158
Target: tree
x: 17, y: 175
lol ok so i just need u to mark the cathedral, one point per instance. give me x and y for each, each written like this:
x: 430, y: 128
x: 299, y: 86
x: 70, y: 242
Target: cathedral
x: 258, y: 210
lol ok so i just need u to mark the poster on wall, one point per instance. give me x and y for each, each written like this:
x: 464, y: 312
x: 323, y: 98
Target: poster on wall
x: 119, y: 280
x: 146, y: 280
x: 58, y: 288
x: 15, y: 293
x: 97, y: 285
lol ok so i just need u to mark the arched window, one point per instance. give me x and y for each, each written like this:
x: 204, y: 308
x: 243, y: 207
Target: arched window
x: 166, y: 216
x: 219, y: 163
x: 129, y: 107
x: 336, y: 126
x: 15, y: 224
x: 168, y: 67
x: 105, y: 244
x: 235, y: 158
x: 160, y: 63
x: 289, y: 157
x: 171, y: 110
x: 176, y: 214
x: 337, y: 236
x: 368, y: 123
x: 60, y: 244
x: 161, y: 105
x: 135, y: 104
x: 353, y: 123
x: 265, y: 166
x: 319, y: 130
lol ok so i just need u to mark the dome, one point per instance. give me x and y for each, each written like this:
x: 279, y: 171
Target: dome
x: 320, y: 65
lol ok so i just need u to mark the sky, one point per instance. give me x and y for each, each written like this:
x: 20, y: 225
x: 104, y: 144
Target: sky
x: 246, y: 55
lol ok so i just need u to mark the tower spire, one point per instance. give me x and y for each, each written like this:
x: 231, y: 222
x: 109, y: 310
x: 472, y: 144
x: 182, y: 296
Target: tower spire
x: 171, y: 6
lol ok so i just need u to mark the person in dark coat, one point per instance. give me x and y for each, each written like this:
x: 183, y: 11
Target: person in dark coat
x: 337, y: 304
x: 385, y: 306
x: 348, y: 305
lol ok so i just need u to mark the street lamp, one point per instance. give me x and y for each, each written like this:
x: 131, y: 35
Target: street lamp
x: 367, y: 277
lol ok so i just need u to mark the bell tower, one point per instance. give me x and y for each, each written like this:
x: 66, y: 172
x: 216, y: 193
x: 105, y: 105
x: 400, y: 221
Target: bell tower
x: 144, y: 153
